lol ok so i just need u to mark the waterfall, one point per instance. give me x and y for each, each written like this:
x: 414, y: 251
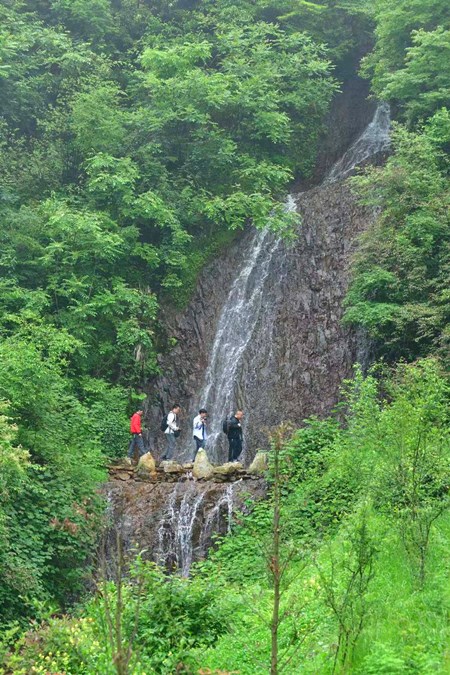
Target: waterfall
x: 279, y: 350
x: 191, y: 517
x: 373, y: 140
x: 246, y: 309
x: 174, y: 524
x: 223, y: 507
x: 238, y: 321
x: 239, y: 316
x: 175, y: 533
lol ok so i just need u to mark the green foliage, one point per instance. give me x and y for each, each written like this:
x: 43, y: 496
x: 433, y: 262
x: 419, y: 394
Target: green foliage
x: 364, y: 495
x: 400, y: 276
x: 423, y: 85
x: 398, y: 293
x: 134, y: 140
x: 175, y: 617
x: 410, y: 62
x: 354, y: 498
x: 48, y: 508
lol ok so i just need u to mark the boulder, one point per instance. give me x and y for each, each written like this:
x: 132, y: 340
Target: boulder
x: 259, y: 464
x: 228, y: 469
x: 170, y: 466
x: 146, y: 464
x: 122, y: 475
x: 202, y: 466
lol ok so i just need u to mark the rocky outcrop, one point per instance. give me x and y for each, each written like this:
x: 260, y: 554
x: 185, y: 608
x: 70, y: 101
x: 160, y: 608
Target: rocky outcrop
x: 299, y: 351
x: 259, y: 464
x: 173, y: 522
x: 146, y: 464
x: 264, y: 329
x: 202, y: 466
x: 172, y: 472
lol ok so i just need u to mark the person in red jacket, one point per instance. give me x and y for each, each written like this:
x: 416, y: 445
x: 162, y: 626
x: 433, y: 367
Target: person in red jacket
x: 136, y: 434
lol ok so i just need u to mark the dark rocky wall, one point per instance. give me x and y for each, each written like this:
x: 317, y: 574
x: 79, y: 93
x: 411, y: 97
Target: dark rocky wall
x: 350, y: 112
x: 173, y: 524
x: 299, y: 353
x: 183, y: 368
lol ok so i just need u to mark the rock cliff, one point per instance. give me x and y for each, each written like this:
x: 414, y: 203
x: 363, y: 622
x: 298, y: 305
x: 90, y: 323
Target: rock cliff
x: 171, y: 518
x: 264, y: 330
x: 298, y: 352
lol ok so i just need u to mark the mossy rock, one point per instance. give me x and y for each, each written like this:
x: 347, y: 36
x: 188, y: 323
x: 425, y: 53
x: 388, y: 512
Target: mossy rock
x: 170, y: 466
x: 228, y: 469
x: 146, y: 464
x: 259, y: 464
x: 202, y: 466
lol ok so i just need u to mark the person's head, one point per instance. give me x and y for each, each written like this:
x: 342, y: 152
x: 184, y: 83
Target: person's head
x: 176, y: 408
x: 140, y: 412
x: 203, y: 413
x: 239, y: 414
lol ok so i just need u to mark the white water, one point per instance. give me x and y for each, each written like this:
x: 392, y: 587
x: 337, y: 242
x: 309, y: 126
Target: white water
x: 185, y: 511
x: 175, y: 549
x: 221, y: 394
x: 212, y: 522
x: 238, y: 321
x: 374, y: 139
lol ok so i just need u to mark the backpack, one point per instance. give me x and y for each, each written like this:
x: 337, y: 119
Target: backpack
x: 226, y: 426
x: 163, y: 425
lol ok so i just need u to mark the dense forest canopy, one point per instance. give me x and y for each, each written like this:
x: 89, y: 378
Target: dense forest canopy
x: 401, y: 276
x: 136, y: 138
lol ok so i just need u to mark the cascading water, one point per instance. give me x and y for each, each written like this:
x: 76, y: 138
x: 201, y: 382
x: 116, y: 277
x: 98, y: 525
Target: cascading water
x: 175, y: 533
x: 237, y: 323
x: 190, y: 521
x: 224, y: 506
x: 248, y: 303
x: 375, y: 139
x: 174, y: 524
x: 278, y: 349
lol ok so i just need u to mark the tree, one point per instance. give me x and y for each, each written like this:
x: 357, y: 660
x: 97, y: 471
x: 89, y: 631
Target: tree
x: 399, y: 275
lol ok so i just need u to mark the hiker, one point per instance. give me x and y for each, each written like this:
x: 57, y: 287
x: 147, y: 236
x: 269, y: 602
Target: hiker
x: 234, y: 433
x: 199, y: 430
x: 136, y: 435
x: 172, y: 432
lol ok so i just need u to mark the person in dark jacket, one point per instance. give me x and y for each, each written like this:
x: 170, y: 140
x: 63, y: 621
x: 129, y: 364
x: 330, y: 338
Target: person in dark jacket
x: 136, y: 435
x: 235, y: 436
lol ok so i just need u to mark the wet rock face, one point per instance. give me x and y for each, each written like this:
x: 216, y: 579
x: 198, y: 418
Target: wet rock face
x: 174, y: 523
x: 350, y: 112
x: 184, y: 367
x: 298, y: 353
x: 310, y: 351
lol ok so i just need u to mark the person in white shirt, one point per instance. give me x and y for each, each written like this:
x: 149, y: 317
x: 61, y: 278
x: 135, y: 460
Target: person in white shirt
x: 199, y: 430
x: 172, y: 432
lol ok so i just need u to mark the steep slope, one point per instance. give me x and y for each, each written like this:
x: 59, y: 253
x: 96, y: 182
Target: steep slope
x: 263, y: 330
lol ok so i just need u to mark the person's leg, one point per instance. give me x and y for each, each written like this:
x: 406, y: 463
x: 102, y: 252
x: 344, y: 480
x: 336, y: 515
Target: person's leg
x: 171, y: 442
x: 131, y: 447
x: 236, y: 449
x: 198, y: 445
x: 174, y: 447
x: 230, y: 449
x: 140, y: 444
